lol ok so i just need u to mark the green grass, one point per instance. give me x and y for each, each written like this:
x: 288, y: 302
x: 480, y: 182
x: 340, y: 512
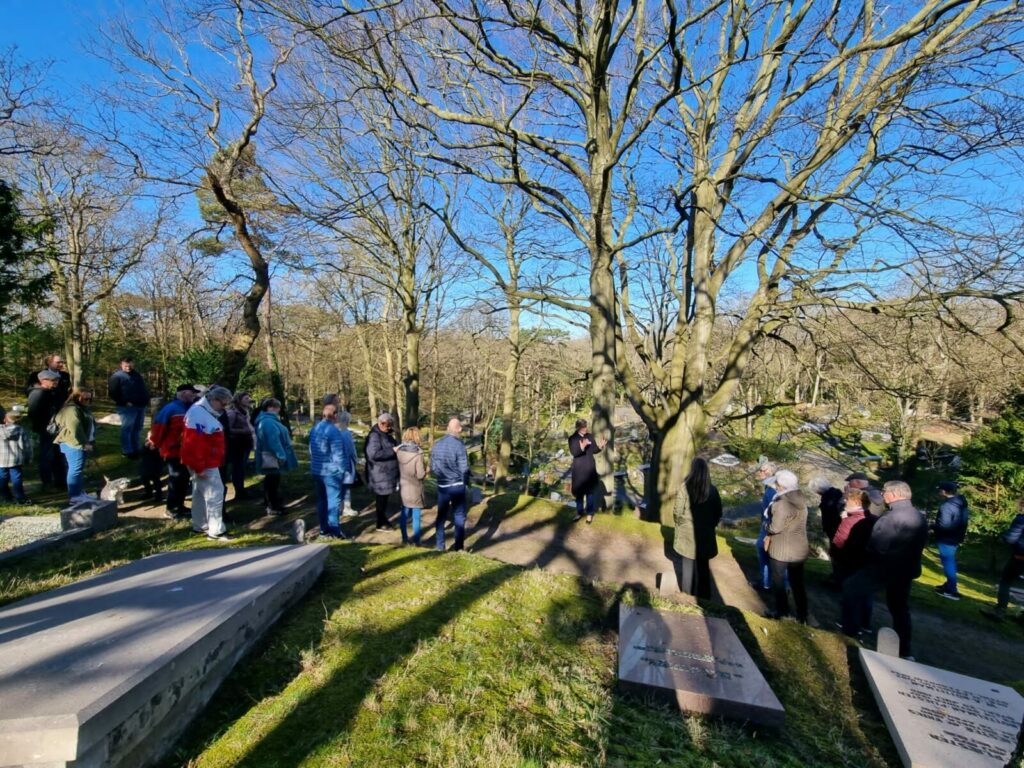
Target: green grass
x: 403, y: 657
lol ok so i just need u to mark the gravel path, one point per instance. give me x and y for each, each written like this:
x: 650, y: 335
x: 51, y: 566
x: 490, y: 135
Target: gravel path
x: 17, y: 531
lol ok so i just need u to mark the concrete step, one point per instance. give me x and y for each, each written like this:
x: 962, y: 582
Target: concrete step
x: 109, y: 671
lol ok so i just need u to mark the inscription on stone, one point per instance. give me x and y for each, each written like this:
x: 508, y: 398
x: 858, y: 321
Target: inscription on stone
x: 697, y: 662
x: 940, y: 718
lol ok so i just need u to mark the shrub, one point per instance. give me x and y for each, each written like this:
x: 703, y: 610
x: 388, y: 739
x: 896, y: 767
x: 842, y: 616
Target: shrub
x: 750, y: 448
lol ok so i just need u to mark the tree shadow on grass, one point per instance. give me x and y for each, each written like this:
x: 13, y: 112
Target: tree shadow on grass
x: 334, y: 701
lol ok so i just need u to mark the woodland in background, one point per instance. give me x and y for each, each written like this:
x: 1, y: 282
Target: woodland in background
x: 521, y: 213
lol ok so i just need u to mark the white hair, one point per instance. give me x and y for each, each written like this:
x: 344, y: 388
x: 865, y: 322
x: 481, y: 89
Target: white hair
x: 786, y: 481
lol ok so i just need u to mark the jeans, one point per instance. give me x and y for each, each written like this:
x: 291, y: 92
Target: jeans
x: 131, y: 428
x: 10, y: 477
x: 346, y: 499
x: 328, y: 503
x: 861, y: 586
x: 453, y: 498
x: 51, y: 465
x: 177, y: 485
x: 208, y: 502
x: 1014, y: 568
x: 795, y: 572
x: 587, y: 501
x: 75, y: 458
x: 947, y: 554
x: 410, y: 513
x: 762, y: 557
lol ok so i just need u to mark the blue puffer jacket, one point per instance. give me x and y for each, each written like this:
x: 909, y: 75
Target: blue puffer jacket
x: 272, y: 436
x: 1015, y: 536
x: 951, y: 525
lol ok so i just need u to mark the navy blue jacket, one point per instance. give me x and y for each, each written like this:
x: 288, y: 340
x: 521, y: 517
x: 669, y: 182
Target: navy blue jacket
x: 1015, y: 536
x: 449, y: 462
x: 125, y: 388
x: 951, y: 525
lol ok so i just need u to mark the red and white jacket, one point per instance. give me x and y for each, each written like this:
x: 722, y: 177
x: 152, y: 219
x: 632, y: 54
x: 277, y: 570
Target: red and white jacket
x: 202, y: 441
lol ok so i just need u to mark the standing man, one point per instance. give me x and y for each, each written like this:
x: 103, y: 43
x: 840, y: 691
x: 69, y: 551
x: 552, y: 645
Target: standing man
x: 328, y: 463
x: 450, y: 464
x: 53, y: 363
x: 893, y: 562
x: 165, y: 434
x: 128, y: 390
x: 950, y: 530
x: 202, y: 451
x: 860, y: 481
x: 585, y: 480
x: 43, y: 404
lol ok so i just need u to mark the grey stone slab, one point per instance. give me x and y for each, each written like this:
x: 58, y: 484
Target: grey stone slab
x: 110, y: 670
x: 98, y: 515
x: 939, y: 718
x: 888, y: 642
x: 695, y: 661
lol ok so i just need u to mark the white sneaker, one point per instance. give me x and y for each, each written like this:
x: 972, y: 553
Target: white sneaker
x: 222, y: 536
x: 348, y: 512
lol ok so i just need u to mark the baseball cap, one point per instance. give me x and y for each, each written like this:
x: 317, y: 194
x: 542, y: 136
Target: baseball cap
x: 857, y: 476
x: 187, y: 388
x: 46, y: 373
x: 948, y: 486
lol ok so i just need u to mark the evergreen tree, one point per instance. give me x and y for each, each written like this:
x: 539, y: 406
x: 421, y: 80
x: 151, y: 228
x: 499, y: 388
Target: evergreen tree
x: 993, y: 470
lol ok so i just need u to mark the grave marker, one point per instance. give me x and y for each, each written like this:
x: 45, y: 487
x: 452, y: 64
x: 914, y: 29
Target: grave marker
x: 695, y: 661
x: 939, y: 718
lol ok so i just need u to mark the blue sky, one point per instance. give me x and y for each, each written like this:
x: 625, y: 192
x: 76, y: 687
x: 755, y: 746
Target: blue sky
x: 55, y: 30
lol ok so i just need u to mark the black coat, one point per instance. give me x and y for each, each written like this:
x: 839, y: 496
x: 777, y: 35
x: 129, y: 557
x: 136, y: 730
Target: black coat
x: 381, y: 462
x: 951, y: 525
x: 897, y: 540
x: 43, y: 405
x: 706, y: 516
x: 831, y: 511
x: 63, y: 388
x: 584, y: 469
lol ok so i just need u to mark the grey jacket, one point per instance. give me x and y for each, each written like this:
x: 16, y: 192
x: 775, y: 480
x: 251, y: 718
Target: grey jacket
x: 788, y: 528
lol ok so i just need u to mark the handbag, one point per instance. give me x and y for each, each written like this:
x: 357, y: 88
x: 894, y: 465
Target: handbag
x: 53, y: 427
x: 269, y: 461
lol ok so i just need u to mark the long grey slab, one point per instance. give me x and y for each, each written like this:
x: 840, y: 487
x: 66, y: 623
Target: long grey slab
x: 109, y: 671
x: 939, y: 718
x: 696, y: 661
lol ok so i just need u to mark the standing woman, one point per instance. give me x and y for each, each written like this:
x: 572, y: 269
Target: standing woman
x: 697, y: 543
x: 348, y: 476
x: 241, y: 440
x: 585, y: 480
x: 76, y: 436
x: 786, y: 544
x: 382, y: 466
x: 274, y: 453
x: 412, y: 472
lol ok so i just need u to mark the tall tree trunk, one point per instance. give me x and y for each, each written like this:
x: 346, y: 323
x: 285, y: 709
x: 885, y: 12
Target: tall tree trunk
x: 371, y: 392
x: 276, y: 383
x: 411, y: 374
x: 241, y: 340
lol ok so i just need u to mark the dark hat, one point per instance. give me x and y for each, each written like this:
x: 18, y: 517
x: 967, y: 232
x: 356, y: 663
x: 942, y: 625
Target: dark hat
x: 948, y: 486
x: 857, y: 476
x: 187, y: 388
x: 46, y: 373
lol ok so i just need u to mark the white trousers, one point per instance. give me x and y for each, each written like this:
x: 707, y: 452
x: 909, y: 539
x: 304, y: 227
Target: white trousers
x: 208, y: 501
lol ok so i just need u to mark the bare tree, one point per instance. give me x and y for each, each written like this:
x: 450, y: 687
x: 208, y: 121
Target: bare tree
x: 97, y: 231
x: 202, y: 125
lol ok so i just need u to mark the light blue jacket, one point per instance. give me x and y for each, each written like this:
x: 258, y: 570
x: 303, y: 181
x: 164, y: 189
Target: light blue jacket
x: 272, y: 436
x: 332, y: 452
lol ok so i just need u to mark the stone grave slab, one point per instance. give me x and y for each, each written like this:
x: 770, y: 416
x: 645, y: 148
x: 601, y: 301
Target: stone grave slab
x: 695, y: 661
x: 110, y: 670
x: 938, y: 718
x: 98, y: 514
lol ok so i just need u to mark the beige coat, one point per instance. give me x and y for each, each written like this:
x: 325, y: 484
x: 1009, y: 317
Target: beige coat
x: 411, y: 472
x: 788, y: 528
